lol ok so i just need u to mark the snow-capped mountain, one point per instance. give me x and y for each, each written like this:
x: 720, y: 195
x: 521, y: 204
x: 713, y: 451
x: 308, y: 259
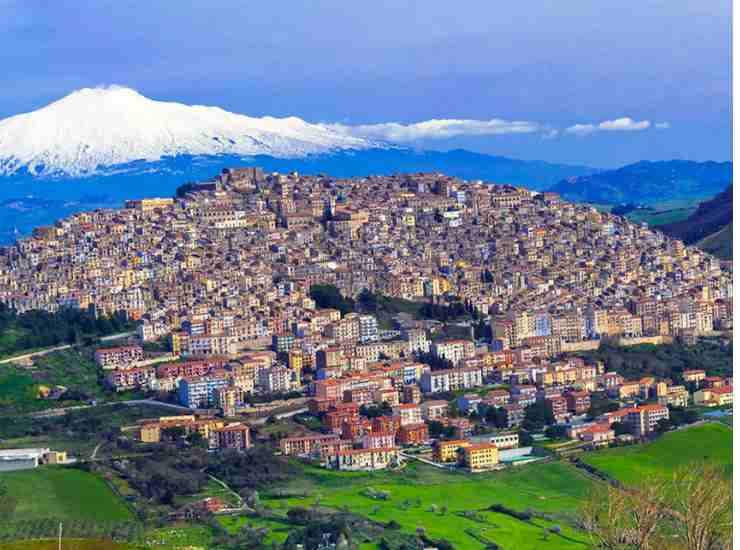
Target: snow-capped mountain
x: 94, y: 129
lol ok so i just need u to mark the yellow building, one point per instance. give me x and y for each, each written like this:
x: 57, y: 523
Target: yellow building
x: 149, y: 433
x: 446, y: 451
x: 483, y: 456
x: 295, y: 363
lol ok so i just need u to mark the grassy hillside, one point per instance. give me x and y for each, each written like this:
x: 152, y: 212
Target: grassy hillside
x: 708, y: 226
x: 719, y: 243
x: 69, y: 544
x: 671, y: 211
x: 662, y: 457
x: 419, y: 493
x: 63, y: 493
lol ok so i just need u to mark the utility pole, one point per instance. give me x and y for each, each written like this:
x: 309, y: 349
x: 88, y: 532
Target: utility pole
x: 60, y: 535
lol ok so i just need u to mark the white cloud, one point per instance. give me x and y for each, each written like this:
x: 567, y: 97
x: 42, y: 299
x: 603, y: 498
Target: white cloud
x: 397, y: 132
x: 439, y: 129
x: 580, y: 129
x: 624, y: 124
x: 662, y: 125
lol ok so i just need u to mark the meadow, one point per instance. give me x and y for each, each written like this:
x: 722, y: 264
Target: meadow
x: 711, y: 441
x: 69, y: 544
x: 62, y: 493
x: 447, y: 505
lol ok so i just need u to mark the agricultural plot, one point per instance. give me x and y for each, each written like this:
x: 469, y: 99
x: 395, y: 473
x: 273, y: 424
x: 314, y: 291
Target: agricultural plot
x: 69, y: 544
x: 452, y: 506
x: 61, y: 493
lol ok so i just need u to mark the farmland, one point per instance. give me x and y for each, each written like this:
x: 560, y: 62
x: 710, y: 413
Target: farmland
x: 710, y: 441
x: 447, y: 505
x: 69, y: 544
x: 62, y: 493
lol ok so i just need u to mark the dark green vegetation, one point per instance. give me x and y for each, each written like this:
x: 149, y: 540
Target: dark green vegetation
x: 712, y: 218
x: 648, y: 182
x: 706, y: 442
x: 72, y: 368
x: 328, y: 296
x: 38, y: 329
x: 385, y: 308
x: 77, y: 431
x: 665, y: 361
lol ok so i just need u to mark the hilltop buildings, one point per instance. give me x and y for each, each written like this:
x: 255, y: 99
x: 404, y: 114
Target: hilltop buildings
x: 224, y: 272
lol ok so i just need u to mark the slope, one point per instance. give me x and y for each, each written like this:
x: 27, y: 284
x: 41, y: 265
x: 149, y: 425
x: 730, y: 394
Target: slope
x: 648, y: 182
x: 709, y: 226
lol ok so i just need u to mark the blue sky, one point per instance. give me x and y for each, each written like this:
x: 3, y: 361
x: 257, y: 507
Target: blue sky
x: 557, y: 69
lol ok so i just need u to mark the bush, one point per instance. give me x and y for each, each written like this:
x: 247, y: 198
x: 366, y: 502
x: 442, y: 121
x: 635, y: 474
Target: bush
x: 501, y: 509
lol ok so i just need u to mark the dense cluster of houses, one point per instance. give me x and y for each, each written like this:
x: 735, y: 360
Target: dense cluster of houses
x: 224, y: 272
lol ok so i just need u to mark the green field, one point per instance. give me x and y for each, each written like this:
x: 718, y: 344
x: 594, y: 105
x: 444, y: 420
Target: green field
x: 719, y: 243
x: 710, y: 441
x: 16, y: 386
x: 63, y: 493
x: 665, y: 212
x: 278, y: 531
x: 419, y: 493
x: 69, y: 544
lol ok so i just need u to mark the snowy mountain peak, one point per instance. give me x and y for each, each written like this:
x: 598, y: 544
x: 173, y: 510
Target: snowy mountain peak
x: 93, y: 129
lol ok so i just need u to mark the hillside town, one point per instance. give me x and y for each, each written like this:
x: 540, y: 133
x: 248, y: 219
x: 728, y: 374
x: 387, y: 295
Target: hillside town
x: 225, y: 274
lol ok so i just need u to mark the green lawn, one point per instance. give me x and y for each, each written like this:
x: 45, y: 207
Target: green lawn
x: 711, y: 441
x: 278, y: 531
x: 415, y: 492
x: 64, y: 493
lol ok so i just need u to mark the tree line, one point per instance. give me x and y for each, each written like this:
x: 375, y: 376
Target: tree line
x: 39, y: 328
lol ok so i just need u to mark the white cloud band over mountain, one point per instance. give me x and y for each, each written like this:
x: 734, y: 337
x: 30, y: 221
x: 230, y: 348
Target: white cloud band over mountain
x: 438, y: 129
x: 397, y: 132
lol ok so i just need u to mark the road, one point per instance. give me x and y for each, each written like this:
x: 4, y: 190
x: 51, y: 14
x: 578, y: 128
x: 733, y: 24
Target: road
x: 287, y: 414
x: 46, y: 351
x: 61, y: 411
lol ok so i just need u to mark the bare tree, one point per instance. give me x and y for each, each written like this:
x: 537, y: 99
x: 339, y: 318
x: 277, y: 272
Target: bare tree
x: 690, y: 511
x: 701, y: 497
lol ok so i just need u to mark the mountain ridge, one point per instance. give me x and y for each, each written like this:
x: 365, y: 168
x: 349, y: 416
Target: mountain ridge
x: 648, y: 182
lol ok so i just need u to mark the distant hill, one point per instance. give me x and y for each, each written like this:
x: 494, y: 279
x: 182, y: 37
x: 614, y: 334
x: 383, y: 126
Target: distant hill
x: 719, y: 243
x: 710, y: 226
x: 648, y: 182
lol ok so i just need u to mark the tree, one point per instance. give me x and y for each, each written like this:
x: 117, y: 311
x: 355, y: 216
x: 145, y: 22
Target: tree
x: 537, y: 416
x: 328, y: 296
x: 556, y: 432
x: 619, y: 519
x: 525, y: 440
x: 663, y: 425
x: 621, y: 428
x: 690, y: 511
x: 701, y: 497
x: 497, y: 416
